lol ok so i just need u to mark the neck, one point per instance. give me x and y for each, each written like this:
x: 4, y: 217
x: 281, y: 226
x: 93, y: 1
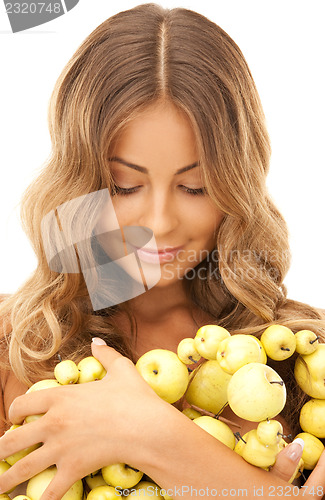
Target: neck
x: 157, y: 303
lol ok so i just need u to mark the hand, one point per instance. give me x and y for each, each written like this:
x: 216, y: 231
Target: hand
x: 286, y: 465
x: 85, y: 426
x: 287, y: 462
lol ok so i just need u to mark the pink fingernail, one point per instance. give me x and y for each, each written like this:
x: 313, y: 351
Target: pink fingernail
x: 98, y: 341
x: 296, y: 448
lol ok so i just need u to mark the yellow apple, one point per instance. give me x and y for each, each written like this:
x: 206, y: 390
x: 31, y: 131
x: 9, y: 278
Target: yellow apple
x: 217, y: 429
x: 144, y: 490
x: 257, y: 453
x: 66, y: 372
x: 312, y: 451
x: 239, y: 447
x: 239, y: 350
x: 95, y: 480
x: 90, y: 369
x: 4, y: 496
x: 279, y: 342
x: 208, y: 387
x: 121, y: 476
x: 310, y: 372
x: 306, y: 342
x: 312, y: 417
x: 103, y: 493
x: 300, y: 467
x: 44, y: 384
x: 38, y: 484
x: 191, y: 413
x: 208, y: 338
x: 20, y: 497
x: 187, y: 352
x: 165, y: 373
x: 256, y: 392
x: 269, y: 432
x: 4, y: 466
x: 12, y: 459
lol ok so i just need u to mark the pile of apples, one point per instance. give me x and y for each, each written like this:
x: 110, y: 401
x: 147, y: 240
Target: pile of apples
x: 211, y: 371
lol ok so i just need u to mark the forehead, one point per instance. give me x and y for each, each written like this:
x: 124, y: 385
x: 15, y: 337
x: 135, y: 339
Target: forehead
x: 161, y: 132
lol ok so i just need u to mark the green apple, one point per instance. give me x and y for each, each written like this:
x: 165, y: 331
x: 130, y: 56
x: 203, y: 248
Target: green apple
x: 187, y: 352
x: 257, y: 453
x: 269, y: 432
x: 90, y: 369
x: 144, y: 490
x: 279, y: 342
x: 306, y: 342
x: 44, y: 384
x: 208, y: 338
x: 66, y: 372
x: 218, y: 429
x: 191, y: 413
x: 12, y: 459
x: 312, y: 417
x: 38, y: 484
x: 104, y: 492
x: 208, y: 387
x: 312, y: 451
x: 237, y: 351
x: 256, y: 392
x: 95, y: 480
x: 121, y: 475
x: 310, y: 372
x: 4, y: 466
x: 165, y: 373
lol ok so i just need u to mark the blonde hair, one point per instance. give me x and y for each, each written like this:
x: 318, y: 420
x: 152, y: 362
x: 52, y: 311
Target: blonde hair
x: 135, y: 59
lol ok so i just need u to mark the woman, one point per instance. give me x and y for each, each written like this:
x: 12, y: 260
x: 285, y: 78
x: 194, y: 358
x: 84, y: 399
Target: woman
x: 150, y: 92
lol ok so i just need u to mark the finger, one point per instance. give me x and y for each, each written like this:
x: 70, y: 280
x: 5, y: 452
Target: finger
x: 33, y: 403
x: 19, y: 439
x: 24, y: 469
x: 103, y: 353
x: 316, y: 481
x: 287, y: 460
x: 58, y: 487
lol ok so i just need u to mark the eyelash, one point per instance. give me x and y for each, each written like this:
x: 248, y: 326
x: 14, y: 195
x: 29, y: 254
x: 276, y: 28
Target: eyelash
x: 127, y: 191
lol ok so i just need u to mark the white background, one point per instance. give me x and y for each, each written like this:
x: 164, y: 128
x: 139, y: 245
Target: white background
x: 283, y: 42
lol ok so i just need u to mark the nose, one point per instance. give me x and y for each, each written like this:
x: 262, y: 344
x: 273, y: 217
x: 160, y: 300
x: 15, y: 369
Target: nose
x: 160, y: 214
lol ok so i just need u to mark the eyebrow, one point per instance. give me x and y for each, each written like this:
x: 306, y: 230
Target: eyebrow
x: 144, y: 170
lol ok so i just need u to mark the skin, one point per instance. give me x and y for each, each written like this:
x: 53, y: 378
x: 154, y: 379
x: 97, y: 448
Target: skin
x: 74, y: 428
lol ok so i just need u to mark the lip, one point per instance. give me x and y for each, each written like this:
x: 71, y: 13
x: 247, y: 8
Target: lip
x: 155, y: 256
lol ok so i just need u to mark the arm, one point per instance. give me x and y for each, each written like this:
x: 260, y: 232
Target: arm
x: 120, y: 419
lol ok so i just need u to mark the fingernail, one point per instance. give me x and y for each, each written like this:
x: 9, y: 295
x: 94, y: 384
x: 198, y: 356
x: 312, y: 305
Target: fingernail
x: 295, y: 449
x: 98, y: 341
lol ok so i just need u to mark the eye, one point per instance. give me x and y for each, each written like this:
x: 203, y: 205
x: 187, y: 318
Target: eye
x: 195, y: 192
x: 125, y: 191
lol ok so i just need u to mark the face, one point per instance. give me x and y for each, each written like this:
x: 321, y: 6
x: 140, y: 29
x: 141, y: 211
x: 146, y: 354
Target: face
x: 159, y: 193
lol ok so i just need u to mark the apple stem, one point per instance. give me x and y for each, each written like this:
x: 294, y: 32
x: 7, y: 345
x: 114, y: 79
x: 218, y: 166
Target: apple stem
x: 214, y: 415
x: 284, y: 348
x: 59, y: 357
x: 191, y: 358
x: 129, y: 467
x: 189, y: 369
x: 312, y: 341
x: 155, y: 372
x: 277, y: 382
x: 238, y: 436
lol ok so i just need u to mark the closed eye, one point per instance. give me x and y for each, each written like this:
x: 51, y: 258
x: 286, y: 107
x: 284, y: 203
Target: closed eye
x: 126, y: 191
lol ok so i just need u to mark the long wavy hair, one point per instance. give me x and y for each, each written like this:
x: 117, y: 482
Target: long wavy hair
x: 133, y: 60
